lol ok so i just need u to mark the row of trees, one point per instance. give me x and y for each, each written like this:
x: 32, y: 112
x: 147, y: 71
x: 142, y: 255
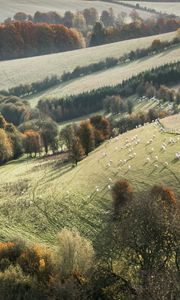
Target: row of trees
x: 115, y: 105
x: 90, y: 102
x: 23, y: 39
x: 36, y: 87
x: 83, y: 20
x: 137, y: 119
x: 38, y: 135
x: 33, y: 139
x: 101, y: 35
x: 161, y: 92
x: 137, y: 256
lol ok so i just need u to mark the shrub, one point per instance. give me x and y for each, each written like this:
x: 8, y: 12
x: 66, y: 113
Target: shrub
x: 74, y: 255
x: 122, y: 194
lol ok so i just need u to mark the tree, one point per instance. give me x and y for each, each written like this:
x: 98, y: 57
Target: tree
x: 6, y: 151
x: 122, y: 194
x: 130, y: 106
x: 79, y: 21
x: 20, y: 16
x: 86, y: 135
x: 107, y: 18
x: 68, y: 19
x: 102, y: 126
x: 91, y: 15
x: 164, y: 194
x: 2, y: 122
x: 98, y: 35
x: 156, y: 44
x: 15, y: 110
x: 16, y: 139
x: 66, y: 135
x: 134, y: 15
x: 49, y: 132
x: 76, y: 150
x: 148, y: 231
x: 32, y: 142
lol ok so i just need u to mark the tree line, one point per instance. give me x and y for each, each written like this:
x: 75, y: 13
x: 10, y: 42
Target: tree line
x: 24, y: 39
x: 39, y: 86
x: 35, y: 87
x: 137, y: 256
x: 41, y: 136
x: 136, y: 29
x: 89, y: 102
x: 50, y: 33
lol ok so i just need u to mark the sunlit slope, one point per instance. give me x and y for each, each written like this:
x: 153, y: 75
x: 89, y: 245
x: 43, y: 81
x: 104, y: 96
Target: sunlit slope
x: 56, y: 195
x: 28, y: 70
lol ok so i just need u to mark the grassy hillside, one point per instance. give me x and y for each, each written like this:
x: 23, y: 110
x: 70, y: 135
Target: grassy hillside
x: 109, y: 77
x: 10, y: 7
x: 33, y: 69
x: 164, y: 7
x: 39, y: 197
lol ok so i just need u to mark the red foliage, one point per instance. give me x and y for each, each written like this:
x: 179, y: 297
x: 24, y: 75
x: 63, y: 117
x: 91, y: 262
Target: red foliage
x: 22, y: 39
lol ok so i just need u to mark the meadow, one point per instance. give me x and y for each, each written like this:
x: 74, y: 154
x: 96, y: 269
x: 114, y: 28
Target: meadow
x: 41, y: 196
x: 10, y: 7
x: 108, y: 77
x: 163, y: 7
x: 28, y: 70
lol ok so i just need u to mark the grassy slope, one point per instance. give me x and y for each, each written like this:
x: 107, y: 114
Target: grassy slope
x: 164, y: 7
x: 65, y: 196
x: 32, y: 69
x: 10, y: 7
x: 109, y: 77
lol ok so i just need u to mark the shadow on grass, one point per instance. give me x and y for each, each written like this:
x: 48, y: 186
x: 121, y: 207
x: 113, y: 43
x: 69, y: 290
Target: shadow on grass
x: 19, y: 161
x: 59, y: 172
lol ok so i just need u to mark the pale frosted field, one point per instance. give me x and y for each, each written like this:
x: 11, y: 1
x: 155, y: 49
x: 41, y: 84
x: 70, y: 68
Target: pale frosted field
x: 112, y: 76
x: 9, y: 7
x: 28, y: 70
x: 164, y: 7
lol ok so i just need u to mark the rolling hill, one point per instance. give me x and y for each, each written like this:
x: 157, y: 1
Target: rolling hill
x: 40, y: 196
x: 28, y: 70
x: 164, y: 7
x: 108, y: 77
x: 10, y: 7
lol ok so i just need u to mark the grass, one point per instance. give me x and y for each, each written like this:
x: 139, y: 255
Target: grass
x: 164, y: 7
x: 108, y: 77
x: 28, y: 70
x: 39, y: 197
x: 8, y: 9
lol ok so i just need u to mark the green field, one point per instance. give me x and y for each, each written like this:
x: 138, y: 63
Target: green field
x: 41, y: 196
x: 28, y: 70
x: 10, y: 7
x: 164, y: 7
x: 108, y: 77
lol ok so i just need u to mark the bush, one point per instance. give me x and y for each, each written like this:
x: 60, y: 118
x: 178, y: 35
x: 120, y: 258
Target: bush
x: 122, y: 194
x: 74, y: 255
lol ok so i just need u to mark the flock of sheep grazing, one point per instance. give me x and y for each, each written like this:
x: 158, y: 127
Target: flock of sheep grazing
x: 131, y: 143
